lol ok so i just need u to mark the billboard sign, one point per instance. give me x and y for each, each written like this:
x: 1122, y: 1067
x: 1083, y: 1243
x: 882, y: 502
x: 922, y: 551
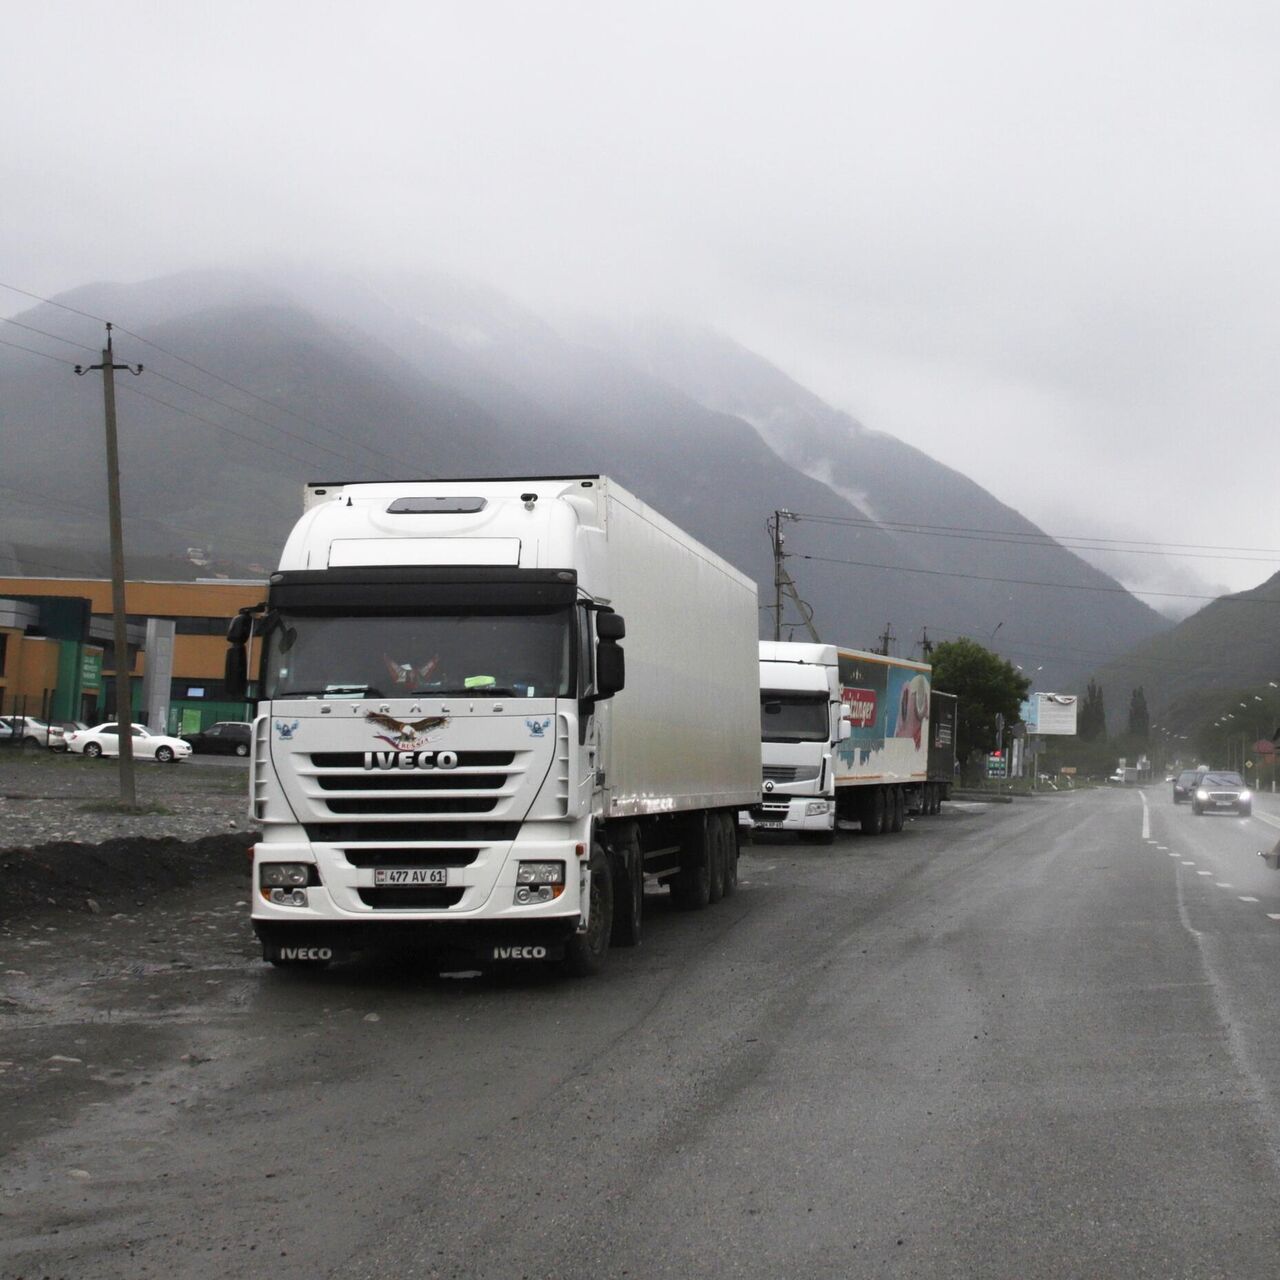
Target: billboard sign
x: 1055, y: 713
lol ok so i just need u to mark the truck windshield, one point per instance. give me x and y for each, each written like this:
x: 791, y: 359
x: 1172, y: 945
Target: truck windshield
x: 419, y: 656
x: 790, y: 717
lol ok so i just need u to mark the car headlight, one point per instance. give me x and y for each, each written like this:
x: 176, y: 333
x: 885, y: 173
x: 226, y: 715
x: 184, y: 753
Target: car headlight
x: 1201, y: 794
x: 1246, y: 795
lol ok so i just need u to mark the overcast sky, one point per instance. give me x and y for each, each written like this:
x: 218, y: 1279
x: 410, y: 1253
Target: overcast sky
x: 1038, y: 241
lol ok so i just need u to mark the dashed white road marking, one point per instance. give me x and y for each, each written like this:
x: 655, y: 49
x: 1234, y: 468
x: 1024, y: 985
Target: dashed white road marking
x: 1146, y: 816
x: 1164, y: 848
x: 1187, y: 863
x: 1245, y: 898
x: 1222, y: 884
x: 1267, y: 818
x: 1204, y: 873
x: 1173, y: 855
x: 1273, y: 915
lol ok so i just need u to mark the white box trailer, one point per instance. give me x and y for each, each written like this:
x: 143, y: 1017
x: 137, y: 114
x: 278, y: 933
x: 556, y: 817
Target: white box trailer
x: 448, y: 754
x: 849, y: 734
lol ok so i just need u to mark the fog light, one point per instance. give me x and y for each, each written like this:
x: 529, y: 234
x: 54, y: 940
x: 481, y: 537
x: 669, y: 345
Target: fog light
x: 284, y: 874
x: 527, y: 895
x: 289, y: 897
x: 540, y: 873
x: 816, y: 808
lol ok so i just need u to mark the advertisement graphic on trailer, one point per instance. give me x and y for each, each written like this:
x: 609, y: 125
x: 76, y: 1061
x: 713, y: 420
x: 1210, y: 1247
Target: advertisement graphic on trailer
x: 888, y: 710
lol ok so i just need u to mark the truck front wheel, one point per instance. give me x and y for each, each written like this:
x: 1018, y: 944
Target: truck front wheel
x: 628, y: 888
x: 585, y: 952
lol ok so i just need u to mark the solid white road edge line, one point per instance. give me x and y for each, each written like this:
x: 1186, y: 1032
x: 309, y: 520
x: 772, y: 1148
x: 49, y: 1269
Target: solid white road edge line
x: 1146, y: 817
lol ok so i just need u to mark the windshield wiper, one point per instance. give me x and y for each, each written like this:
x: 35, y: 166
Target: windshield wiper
x: 334, y: 691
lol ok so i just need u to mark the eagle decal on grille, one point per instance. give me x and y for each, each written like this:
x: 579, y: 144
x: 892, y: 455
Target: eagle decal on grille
x: 406, y: 735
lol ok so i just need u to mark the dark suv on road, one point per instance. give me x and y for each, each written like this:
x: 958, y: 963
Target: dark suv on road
x: 1222, y: 791
x: 226, y: 738
x: 1184, y: 785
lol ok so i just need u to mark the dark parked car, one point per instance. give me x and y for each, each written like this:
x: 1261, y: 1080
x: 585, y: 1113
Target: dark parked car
x: 1184, y: 784
x: 1217, y: 790
x: 226, y: 738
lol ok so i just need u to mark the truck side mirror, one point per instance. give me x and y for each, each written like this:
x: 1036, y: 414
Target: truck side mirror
x: 610, y: 625
x: 236, y: 672
x: 611, y: 668
x: 241, y: 628
x: 845, y: 731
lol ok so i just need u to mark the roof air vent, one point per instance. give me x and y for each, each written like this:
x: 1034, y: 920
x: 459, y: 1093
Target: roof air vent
x: 435, y: 506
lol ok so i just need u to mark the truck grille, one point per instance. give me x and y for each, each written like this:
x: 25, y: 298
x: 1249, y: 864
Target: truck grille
x: 373, y: 856
x: 482, y: 782
x: 780, y: 772
x: 382, y: 832
x: 409, y: 899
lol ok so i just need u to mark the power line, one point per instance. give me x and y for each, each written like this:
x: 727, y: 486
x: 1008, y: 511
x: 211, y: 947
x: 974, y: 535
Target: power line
x: 217, y: 426
x: 1025, y: 582
x: 217, y: 377
x: 44, y: 333
x: 31, y: 351
x: 1134, y: 546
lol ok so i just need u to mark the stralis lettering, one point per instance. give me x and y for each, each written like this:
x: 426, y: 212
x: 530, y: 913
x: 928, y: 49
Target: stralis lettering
x: 861, y: 706
x: 410, y: 759
x: 519, y: 953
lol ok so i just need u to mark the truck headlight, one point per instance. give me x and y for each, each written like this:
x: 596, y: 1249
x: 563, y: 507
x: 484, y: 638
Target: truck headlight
x: 816, y: 808
x: 284, y: 875
x: 540, y: 873
x: 538, y: 882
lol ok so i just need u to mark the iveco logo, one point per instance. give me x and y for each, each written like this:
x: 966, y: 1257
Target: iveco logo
x: 306, y: 953
x: 410, y: 759
x: 768, y: 786
x: 519, y: 953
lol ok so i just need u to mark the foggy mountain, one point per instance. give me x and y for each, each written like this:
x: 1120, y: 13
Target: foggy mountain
x: 1230, y: 644
x: 413, y: 376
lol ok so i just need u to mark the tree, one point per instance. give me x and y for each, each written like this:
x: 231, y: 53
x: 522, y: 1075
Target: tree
x: 1091, y: 724
x: 1139, y: 719
x: 985, y: 685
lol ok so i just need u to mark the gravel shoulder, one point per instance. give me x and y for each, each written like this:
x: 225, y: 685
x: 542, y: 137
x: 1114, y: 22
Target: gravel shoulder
x: 64, y: 846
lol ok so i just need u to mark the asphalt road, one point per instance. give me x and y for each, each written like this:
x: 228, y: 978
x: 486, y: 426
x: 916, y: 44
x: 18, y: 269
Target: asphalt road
x: 1019, y: 1041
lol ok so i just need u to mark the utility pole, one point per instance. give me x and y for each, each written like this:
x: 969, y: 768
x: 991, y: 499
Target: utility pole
x: 926, y: 645
x: 120, y: 630
x: 886, y: 639
x: 775, y: 536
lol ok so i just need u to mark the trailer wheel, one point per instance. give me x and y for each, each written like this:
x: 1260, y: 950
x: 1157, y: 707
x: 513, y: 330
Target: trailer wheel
x: 628, y: 884
x: 585, y: 952
x: 730, y: 825
x: 717, y: 855
x: 897, y: 809
x: 691, y: 886
x: 873, y: 812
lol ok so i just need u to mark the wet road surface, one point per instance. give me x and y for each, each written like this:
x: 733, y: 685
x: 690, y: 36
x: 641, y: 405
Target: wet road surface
x: 1027, y: 1040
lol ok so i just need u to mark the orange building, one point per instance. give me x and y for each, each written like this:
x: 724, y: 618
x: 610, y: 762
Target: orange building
x: 42, y: 679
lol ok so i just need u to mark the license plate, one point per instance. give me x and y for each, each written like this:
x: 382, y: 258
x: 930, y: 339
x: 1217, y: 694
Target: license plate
x: 769, y: 825
x: 410, y: 875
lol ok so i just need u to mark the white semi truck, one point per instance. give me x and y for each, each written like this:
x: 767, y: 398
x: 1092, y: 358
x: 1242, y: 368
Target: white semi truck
x: 849, y: 735
x: 448, y: 756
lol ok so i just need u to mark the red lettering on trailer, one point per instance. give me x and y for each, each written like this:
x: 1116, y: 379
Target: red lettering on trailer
x: 861, y: 706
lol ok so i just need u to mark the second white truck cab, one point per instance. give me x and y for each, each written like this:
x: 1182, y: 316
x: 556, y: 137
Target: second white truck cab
x: 801, y: 725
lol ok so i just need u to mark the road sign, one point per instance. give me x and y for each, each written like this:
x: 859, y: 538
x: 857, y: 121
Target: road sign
x: 997, y: 765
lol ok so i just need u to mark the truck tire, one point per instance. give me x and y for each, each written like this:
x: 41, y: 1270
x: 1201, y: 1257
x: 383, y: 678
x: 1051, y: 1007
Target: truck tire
x: 628, y: 888
x: 584, y: 953
x: 730, y: 824
x: 873, y: 812
x: 716, y: 854
x: 897, y: 808
x: 691, y: 887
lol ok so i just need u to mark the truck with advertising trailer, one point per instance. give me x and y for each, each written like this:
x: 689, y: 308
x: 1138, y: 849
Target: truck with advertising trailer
x: 451, y: 755
x: 852, y: 736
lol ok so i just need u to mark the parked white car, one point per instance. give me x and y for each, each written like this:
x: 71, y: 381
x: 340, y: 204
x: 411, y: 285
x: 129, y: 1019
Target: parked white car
x: 32, y: 732
x: 104, y: 740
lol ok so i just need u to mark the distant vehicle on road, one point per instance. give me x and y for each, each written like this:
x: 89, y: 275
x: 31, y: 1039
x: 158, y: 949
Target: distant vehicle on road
x: 104, y: 740
x: 1184, y: 784
x: 1218, y: 790
x: 32, y: 732
x: 226, y: 738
